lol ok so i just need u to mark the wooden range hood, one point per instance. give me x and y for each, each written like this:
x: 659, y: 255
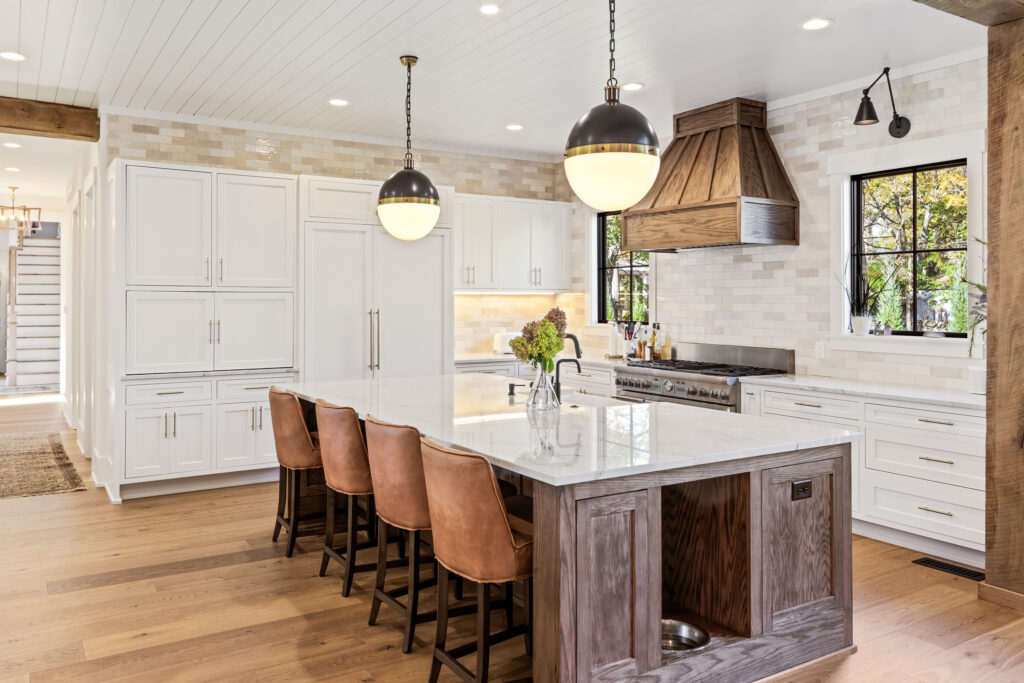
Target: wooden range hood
x: 721, y: 183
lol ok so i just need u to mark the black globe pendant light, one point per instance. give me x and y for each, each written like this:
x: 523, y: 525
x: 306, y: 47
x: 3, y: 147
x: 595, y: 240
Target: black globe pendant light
x: 866, y: 114
x: 611, y: 157
x: 408, y: 204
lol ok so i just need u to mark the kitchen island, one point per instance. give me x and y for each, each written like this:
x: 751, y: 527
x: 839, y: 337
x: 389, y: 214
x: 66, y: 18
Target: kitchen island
x: 739, y: 524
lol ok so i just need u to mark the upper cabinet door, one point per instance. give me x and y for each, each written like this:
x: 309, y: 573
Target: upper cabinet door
x: 446, y: 196
x: 413, y: 324
x: 256, y: 231
x: 342, y: 200
x: 549, y: 232
x: 169, y: 332
x: 254, y: 330
x: 515, y: 269
x: 338, y: 294
x: 476, y: 243
x: 169, y: 227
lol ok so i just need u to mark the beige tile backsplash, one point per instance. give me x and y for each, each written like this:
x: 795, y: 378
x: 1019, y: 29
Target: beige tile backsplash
x: 478, y: 317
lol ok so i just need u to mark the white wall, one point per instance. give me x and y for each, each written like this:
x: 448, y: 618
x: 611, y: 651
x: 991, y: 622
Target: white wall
x: 779, y: 295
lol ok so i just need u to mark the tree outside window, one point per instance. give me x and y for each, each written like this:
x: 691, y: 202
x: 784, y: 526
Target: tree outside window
x: 623, y: 276
x: 910, y: 248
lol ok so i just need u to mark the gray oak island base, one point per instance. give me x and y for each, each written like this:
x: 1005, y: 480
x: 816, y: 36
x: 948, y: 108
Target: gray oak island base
x: 650, y: 510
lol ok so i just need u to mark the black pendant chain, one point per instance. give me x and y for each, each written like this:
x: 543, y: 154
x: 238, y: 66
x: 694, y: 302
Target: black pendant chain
x: 408, y: 115
x: 612, y: 81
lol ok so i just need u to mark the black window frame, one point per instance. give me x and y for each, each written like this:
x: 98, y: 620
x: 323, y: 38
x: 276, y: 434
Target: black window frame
x: 603, y: 268
x: 858, y: 253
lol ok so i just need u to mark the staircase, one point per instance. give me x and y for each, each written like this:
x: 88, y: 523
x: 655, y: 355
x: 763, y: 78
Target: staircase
x: 33, y: 339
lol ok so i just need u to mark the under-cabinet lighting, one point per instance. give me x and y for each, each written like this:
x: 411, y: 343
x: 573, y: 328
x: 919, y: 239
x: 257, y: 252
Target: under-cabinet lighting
x: 532, y: 292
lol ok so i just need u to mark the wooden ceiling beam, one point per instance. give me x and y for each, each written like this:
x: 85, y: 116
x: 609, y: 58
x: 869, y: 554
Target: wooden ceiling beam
x: 46, y: 119
x: 985, y: 12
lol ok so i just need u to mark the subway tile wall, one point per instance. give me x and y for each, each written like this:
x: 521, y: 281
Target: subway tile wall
x: 478, y: 317
x: 775, y: 295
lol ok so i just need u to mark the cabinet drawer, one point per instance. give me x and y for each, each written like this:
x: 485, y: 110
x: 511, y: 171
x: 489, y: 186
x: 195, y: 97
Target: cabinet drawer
x: 506, y: 369
x: 250, y: 388
x: 943, y: 458
x: 812, y: 405
x: 179, y: 392
x: 927, y: 507
x: 932, y: 421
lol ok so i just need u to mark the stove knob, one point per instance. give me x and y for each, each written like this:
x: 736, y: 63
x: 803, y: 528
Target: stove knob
x: 667, y: 386
x: 618, y: 381
x: 716, y: 394
x: 702, y: 392
x: 646, y: 384
x: 634, y: 383
x: 691, y: 391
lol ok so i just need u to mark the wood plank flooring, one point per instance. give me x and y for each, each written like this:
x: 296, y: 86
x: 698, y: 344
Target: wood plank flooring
x: 190, y: 588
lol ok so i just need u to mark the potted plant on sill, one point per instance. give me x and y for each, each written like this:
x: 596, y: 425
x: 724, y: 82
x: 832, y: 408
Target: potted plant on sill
x: 539, y: 343
x: 868, y: 295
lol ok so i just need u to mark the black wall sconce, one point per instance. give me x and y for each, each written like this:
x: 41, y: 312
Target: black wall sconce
x: 866, y: 115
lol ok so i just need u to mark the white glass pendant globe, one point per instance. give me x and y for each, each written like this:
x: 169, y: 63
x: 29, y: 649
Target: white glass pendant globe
x: 611, y: 181
x: 408, y: 221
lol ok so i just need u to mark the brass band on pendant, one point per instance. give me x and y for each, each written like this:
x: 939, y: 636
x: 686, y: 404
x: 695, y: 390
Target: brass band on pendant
x: 629, y: 147
x: 407, y: 200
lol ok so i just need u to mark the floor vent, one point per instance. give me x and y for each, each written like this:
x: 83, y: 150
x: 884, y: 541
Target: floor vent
x: 971, y: 574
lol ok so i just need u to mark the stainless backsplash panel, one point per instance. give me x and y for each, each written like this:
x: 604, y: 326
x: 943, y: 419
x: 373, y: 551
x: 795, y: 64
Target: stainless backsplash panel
x: 758, y: 356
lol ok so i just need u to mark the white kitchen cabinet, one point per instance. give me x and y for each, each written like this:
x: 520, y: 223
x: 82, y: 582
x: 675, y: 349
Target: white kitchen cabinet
x: 245, y: 436
x: 338, y: 293
x: 355, y: 201
x: 169, y: 231
x: 253, y: 330
x: 256, y: 231
x: 413, y: 305
x: 476, y: 242
x: 169, y: 332
x: 508, y: 368
x: 750, y: 400
x: 375, y: 305
x: 515, y: 268
x: 549, y: 236
x: 168, y: 440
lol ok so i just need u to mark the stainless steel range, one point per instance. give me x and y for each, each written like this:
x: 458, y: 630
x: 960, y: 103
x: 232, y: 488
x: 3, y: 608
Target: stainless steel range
x: 706, y: 375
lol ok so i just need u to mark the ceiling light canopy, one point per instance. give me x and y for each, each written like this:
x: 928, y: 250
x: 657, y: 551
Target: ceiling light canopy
x: 12, y: 56
x: 16, y: 217
x: 408, y: 204
x: 611, y: 156
x: 337, y: 102
x: 866, y: 114
x: 514, y: 126
x: 12, y: 145
x: 490, y: 9
x: 816, y: 24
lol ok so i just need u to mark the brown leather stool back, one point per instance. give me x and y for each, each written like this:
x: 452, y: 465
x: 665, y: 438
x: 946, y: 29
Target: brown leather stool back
x: 342, y: 449
x: 469, y: 523
x: 296, y: 447
x: 396, y: 467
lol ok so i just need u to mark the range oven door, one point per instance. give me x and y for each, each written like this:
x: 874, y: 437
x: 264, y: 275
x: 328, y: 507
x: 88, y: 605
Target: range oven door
x: 638, y: 397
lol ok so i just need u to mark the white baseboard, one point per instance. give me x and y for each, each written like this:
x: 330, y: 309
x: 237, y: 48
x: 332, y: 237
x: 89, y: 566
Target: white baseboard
x: 922, y: 544
x: 201, y: 483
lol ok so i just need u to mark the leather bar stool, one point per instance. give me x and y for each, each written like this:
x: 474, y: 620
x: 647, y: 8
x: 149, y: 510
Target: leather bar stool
x: 298, y: 450
x: 476, y: 538
x: 346, y: 471
x: 400, y: 497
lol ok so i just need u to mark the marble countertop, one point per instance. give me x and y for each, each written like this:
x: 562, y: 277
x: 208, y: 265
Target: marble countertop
x: 951, y: 399
x: 463, y: 358
x: 590, y: 438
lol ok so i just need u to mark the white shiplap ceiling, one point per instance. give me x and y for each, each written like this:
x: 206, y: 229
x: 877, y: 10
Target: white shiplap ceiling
x: 539, y: 63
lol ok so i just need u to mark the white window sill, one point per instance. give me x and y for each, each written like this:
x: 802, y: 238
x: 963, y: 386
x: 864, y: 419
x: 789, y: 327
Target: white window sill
x: 917, y: 346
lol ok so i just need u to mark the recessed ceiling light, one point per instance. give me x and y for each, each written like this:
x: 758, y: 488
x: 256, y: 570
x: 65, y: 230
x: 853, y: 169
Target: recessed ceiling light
x: 634, y: 86
x: 816, y: 24
x: 514, y: 126
x: 489, y: 9
x: 11, y: 145
x: 12, y: 169
x: 12, y: 56
x: 337, y: 102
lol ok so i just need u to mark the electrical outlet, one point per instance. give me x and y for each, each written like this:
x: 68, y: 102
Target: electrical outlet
x: 801, y: 489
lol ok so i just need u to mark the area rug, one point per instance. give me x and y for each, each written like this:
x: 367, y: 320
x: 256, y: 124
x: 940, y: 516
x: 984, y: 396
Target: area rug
x: 35, y: 465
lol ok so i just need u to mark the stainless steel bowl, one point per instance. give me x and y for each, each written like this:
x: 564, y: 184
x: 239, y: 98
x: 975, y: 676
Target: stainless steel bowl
x: 679, y: 635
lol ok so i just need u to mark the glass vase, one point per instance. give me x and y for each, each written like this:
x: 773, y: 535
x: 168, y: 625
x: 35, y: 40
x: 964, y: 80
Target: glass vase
x: 542, y: 394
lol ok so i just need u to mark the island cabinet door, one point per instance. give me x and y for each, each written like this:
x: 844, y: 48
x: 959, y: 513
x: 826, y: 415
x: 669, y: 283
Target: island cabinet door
x: 806, y: 542
x: 617, y: 611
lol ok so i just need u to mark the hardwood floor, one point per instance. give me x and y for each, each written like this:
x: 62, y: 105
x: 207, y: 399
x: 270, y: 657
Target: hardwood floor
x: 190, y: 588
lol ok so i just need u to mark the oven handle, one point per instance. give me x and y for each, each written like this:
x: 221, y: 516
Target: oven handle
x: 629, y: 399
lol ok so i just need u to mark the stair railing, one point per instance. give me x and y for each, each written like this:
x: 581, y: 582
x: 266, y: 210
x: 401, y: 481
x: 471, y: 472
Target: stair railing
x: 12, y: 310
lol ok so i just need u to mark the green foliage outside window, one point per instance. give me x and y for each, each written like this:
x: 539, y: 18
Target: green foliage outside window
x: 623, y: 276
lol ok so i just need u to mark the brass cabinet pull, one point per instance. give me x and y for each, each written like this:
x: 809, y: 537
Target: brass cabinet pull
x: 253, y: 427
x: 946, y: 423
x: 255, y: 388
x: 370, y: 313
x: 378, y: 339
x: 169, y: 393
x: 750, y: 393
x: 261, y: 418
x: 580, y: 374
x: 938, y: 512
x: 807, y: 405
x: 540, y: 275
x: 165, y: 425
x: 473, y: 269
x: 220, y: 263
x: 175, y: 433
x: 207, y: 267
x: 945, y: 462
x: 209, y: 334
x: 218, y: 332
